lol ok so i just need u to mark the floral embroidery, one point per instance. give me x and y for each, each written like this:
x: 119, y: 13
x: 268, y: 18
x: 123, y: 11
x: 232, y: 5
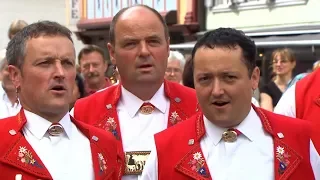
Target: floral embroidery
x: 25, y: 156
x: 197, y: 164
x: 111, y: 126
x: 283, y: 157
x: 102, y: 163
x: 175, y: 118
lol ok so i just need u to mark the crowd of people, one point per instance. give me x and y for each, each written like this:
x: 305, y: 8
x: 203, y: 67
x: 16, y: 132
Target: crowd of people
x: 160, y: 115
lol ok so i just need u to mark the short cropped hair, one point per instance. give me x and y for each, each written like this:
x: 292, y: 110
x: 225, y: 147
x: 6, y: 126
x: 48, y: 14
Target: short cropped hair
x: 89, y: 49
x: 229, y: 38
x: 117, y: 16
x: 16, y: 49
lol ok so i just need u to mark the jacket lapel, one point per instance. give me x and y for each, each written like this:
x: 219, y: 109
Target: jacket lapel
x: 193, y: 164
x: 179, y: 108
x: 102, y: 169
x: 19, y: 152
x: 109, y: 120
x: 286, y: 159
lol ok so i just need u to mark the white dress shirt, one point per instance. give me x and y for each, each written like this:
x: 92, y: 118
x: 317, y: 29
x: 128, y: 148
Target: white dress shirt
x: 67, y: 156
x: 238, y: 160
x: 255, y: 102
x: 7, y: 109
x: 137, y: 130
x: 287, y: 103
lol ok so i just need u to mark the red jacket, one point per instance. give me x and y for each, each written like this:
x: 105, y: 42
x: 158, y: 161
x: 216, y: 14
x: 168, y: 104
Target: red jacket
x: 175, y: 140
x: 99, y: 109
x: 12, y: 164
x: 308, y: 103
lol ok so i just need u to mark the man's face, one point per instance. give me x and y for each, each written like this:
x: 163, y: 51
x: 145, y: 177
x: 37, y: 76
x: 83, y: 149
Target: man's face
x: 47, y: 76
x: 223, y: 86
x: 174, y: 71
x: 6, y: 81
x: 141, y: 48
x: 93, y: 67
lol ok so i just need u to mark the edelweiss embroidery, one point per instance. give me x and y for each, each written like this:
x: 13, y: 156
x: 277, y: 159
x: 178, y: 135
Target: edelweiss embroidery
x: 175, y: 118
x: 283, y: 158
x: 25, y: 156
x: 102, y: 163
x: 111, y: 126
x: 197, y: 164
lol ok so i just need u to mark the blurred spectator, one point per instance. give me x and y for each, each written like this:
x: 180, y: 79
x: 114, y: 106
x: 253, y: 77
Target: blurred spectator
x: 78, y: 90
x: 187, y: 75
x: 93, y: 66
x: 316, y: 65
x: 15, y: 27
x: 9, y: 103
x: 176, y: 62
x: 283, y: 63
x: 2, y: 60
x: 298, y: 77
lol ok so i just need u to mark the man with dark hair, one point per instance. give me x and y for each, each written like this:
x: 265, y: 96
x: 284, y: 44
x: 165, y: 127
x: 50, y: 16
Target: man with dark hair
x: 143, y: 103
x: 93, y: 66
x: 230, y: 138
x: 42, y: 141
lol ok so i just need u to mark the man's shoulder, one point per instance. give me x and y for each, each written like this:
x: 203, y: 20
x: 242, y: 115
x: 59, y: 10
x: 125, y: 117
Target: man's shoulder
x: 101, y: 134
x: 176, y: 87
x: 7, y: 122
x: 309, y: 79
x: 186, y: 94
x: 98, y: 96
x: 290, y: 123
x: 186, y: 127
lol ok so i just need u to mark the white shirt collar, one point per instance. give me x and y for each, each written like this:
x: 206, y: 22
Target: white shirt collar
x: 38, y: 126
x: 250, y: 127
x: 132, y: 103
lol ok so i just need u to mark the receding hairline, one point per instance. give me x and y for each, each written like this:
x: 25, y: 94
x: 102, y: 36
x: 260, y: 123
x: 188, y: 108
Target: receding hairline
x: 134, y: 9
x: 127, y: 14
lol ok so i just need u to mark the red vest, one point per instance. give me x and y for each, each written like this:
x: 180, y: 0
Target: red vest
x: 176, y: 153
x: 100, y: 109
x: 308, y: 103
x: 18, y: 157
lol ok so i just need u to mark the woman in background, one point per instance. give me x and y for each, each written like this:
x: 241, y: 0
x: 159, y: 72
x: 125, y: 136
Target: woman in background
x: 283, y: 63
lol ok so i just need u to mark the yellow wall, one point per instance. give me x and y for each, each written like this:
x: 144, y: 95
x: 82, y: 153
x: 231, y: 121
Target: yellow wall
x: 259, y: 18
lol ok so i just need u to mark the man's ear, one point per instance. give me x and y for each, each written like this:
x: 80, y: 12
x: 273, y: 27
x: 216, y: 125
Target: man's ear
x: 255, y: 78
x: 15, y: 75
x: 112, y: 53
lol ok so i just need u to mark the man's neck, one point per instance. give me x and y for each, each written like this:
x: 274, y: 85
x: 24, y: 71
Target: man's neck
x: 52, y: 116
x: 144, y: 91
x: 97, y: 86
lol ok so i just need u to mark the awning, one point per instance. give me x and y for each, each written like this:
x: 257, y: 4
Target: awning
x: 312, y: 39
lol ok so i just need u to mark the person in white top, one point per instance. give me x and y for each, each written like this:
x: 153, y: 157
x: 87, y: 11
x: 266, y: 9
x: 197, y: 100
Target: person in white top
x: 42, y: 141
x: 230, y: 138
x: 143, y: 103
x: 9, y: 103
